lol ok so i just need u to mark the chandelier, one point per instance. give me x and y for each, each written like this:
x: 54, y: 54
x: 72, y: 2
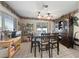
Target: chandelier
x: 44, y: 13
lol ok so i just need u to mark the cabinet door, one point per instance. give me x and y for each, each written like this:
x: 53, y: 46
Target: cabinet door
x: 65, y: 40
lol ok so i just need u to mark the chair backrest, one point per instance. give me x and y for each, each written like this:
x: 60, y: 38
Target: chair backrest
x: 31, y: 36
x: 76, y: 35
x: 45, y: 37
x: 53, y: 36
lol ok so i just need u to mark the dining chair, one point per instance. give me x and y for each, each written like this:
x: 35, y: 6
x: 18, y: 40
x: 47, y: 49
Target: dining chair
x: 44, y: 44
x: 54, y: 41
x: 33, y: 42
x: 76, y: 38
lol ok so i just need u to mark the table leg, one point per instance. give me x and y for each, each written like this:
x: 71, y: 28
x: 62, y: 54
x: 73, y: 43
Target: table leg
x: 58, y: 47
x: 35, y: 49
x: 49, y: 50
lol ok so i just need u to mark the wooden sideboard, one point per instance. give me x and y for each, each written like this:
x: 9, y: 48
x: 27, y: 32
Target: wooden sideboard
x: 67, y: 36
x: 12, y: 44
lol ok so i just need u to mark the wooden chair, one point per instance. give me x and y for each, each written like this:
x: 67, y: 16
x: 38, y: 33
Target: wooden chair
x: 76, y: 38
x: 33, y: 43
x: 54, y: 41
x: 44, y: 45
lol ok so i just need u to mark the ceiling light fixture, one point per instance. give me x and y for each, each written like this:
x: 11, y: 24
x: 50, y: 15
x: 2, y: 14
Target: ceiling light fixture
x: 44, y: 13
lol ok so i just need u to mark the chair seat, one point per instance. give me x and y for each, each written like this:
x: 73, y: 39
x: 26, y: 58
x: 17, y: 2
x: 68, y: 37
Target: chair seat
x: 44, y: 49
x: 36, y: 40
x: 53, y: 42
x: 44, y: 43
x: 76, y: 39
x: 37, y: 43
x: 77, y: 42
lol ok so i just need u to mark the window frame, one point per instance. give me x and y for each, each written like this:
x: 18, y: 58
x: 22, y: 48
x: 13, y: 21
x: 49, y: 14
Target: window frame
x: 41, y: 26
x: 1, y: 20
x: 3, y: 14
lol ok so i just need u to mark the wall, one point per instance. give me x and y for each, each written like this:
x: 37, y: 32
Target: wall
x: 5, y: 10
x: 34, y: 22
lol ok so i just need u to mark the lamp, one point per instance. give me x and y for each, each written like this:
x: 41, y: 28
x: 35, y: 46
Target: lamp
x: 44, y: 14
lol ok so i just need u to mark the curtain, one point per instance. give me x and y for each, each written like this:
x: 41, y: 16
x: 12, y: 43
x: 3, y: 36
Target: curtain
x: 0, y: 22
x: 8, y: 23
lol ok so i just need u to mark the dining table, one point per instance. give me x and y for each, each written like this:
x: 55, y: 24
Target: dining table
x: 35, y: 37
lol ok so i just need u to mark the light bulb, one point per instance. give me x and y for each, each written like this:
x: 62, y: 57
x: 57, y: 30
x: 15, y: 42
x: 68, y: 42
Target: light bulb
x: 39, y: 16
x: 48, y: 17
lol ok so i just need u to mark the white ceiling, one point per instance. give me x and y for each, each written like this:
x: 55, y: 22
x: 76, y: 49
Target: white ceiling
x: 29, y: 8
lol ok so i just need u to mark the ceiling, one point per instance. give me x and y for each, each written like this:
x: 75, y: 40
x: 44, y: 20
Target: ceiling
x: 30, y: 8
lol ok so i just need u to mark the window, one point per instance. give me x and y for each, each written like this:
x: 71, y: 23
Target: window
x: 41, y: 28
x: 14, y: 23
x: 0, y: 22
x: 8, y: 23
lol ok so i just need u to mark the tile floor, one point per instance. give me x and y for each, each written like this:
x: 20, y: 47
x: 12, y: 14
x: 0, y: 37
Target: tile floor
x: 24, y: 52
